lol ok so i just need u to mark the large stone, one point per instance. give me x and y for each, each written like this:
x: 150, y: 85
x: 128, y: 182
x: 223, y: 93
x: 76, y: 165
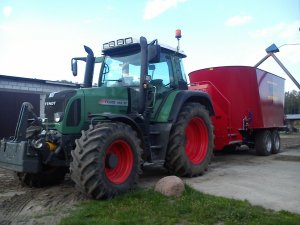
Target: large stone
x: 170, y: 186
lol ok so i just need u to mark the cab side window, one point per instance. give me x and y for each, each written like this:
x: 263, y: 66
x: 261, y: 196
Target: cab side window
x: 160, y: 72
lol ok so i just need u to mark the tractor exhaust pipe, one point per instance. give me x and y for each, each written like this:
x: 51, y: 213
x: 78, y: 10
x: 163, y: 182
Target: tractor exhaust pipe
x: 89, y: 68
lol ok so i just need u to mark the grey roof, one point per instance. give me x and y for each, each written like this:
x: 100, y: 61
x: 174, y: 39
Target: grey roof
x: 292, y: 116
x: 25, y: 79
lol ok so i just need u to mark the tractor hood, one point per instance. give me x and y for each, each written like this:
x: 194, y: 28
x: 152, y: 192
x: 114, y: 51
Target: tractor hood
x: 71, y: 111
x: 56, y: 102
x: 106, y: 100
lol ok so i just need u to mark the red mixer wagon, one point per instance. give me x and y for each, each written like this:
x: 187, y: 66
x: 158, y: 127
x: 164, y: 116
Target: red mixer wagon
x: 248, y: 104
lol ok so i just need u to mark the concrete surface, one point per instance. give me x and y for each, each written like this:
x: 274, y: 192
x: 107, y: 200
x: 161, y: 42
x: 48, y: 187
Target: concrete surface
x: 272, y: 182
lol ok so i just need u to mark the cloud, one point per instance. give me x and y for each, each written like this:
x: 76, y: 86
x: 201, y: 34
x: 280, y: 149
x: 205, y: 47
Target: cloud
x: 155, y: 8
x: 237, y: 21
x: 5, y: 28
x: 281, y: 30
x: 291, y: 53
x: 7, y: 10
x: 92, y: 20
x: 284, y: 35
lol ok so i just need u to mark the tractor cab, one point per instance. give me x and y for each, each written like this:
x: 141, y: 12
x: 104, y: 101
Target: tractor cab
x: 148, y: 71
x: 123, y: 61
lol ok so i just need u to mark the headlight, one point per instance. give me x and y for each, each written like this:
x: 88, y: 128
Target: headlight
x: 58, y: 116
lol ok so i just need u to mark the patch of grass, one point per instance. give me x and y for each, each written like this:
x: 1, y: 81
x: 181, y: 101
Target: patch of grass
x: 149, y: 207
x: 289, y: 134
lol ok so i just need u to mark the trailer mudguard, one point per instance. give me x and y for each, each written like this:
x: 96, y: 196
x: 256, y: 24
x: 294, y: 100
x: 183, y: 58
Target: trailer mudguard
x: 190, y: 96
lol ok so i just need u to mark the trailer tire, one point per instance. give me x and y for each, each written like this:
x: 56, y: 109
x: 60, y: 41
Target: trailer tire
x: 263, y: 143
x: 48, y: 177
x: 275, y: 142
x: 106, y: 161
x: 190, y: 146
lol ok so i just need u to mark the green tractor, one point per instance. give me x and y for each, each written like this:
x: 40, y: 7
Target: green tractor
x: 141, y: 111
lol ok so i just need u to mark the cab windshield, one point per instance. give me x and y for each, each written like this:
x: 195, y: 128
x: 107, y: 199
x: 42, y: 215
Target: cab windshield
x: 121, y: 70
x: 125, y: 71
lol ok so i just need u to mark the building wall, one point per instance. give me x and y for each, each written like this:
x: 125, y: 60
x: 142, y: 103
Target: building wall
x: 10, y: 103
x: 15, y: 90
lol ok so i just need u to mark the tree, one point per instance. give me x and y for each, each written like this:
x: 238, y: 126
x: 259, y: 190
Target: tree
x: 292, y: 102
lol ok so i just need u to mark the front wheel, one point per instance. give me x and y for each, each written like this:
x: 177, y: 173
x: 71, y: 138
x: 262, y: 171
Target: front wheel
x: 106, y: 160
x: 48, y: 177
x: 191, y: 141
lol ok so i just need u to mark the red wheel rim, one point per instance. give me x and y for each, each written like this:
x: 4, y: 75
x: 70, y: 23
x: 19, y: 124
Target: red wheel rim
x: 196, y: 134
x: 123, y: 153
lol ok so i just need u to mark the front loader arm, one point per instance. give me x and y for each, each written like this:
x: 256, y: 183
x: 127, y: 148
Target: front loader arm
x: 22, y: 124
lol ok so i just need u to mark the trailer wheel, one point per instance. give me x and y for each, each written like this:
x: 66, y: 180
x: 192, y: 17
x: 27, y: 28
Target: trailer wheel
x: 191, y: 142
x: 275, y: 142
x: 263, y: 143
x: 48, y: 177
x: 106, y: 160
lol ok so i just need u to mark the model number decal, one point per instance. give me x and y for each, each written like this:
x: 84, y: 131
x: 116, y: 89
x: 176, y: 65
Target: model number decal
x: 118, y: 102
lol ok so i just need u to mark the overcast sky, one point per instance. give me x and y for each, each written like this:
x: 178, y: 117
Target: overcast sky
x: 39, y: 37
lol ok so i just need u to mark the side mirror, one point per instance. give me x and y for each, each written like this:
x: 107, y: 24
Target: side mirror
x: 74, y: 67
x: 151, y: 67
x: 153, y: 53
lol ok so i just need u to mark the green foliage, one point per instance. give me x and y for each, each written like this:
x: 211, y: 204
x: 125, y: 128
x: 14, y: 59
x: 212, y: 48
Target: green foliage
x: 292, y: 102
x: 149, y: 207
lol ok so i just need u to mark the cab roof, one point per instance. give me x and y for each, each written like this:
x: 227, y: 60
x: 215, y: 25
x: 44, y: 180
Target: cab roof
x: 131, y: 43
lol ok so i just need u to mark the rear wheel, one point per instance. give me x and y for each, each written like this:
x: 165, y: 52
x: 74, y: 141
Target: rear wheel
x: 106, y: 160
x: 275, y: 142
x: 49, y: 176
x: 263, y: 143
x: 191, y: 141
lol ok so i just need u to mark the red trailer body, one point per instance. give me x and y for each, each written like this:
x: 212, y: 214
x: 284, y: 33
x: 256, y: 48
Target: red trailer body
x: 245, y: 99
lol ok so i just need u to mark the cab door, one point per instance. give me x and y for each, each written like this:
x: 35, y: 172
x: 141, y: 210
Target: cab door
x: 162, y: 83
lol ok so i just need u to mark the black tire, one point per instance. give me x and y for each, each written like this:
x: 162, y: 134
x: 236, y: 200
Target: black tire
x: 263, y: 143
x: 50, y: 176
x: 107, y: 160
x: 191, y: 142
x: 276, y: 143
